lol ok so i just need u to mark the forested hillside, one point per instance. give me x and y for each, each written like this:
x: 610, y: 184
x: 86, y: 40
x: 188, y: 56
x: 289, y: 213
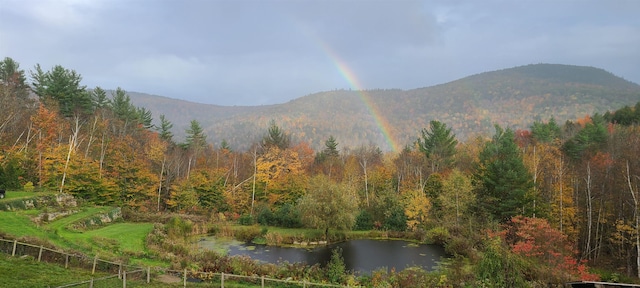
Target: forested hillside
x: 525, y: 207
x: 514, y: 98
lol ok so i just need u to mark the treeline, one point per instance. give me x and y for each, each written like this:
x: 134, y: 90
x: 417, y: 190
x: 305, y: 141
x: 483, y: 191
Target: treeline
x: 523, y: 207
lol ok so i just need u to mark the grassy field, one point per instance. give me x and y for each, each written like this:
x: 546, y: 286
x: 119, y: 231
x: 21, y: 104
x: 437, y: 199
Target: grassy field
x: 113, y: 239
x: 26, y: 272
x: 19, y: 194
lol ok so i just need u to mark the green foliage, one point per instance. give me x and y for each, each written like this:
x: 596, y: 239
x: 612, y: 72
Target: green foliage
x: 63, y: 86
x: 275, y: 137
x: 439, y: 145
x: 335, y: 268
x: 328, y: 205
x: 179, y: 228
x: 10, y: 174
x: 287, y: 216
x: 196, y: 139
x: 364, y: 221
x: 29, y: 187
x: 588, y: 140
x: 438, y: 235
x: 545, y: 132
x: 498, y: 267
x: 433, y: 188
x: 245, y: 219
x: 165, y: 129
x: 502, y: 178
x: 396, y: 219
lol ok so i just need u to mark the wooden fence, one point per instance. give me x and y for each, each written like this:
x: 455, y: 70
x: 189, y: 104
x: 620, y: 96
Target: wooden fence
x: 124, y: 272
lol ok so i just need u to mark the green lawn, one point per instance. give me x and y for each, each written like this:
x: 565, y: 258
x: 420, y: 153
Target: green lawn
x: 107, y: 240
x: 19, y: 194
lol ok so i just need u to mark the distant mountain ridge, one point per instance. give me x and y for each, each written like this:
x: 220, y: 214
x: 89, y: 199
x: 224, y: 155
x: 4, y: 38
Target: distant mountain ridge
x: 513, y: 97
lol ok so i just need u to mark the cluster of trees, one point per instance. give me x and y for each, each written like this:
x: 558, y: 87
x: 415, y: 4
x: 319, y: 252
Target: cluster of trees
x: 579, y: 180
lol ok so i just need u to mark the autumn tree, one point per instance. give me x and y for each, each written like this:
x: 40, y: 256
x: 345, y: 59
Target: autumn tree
x: 417, y: 207
x: 535, y: 239
x: 457, y: 196
x: 328, y: 204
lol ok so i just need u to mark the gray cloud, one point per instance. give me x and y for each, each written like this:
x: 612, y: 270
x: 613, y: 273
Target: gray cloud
x: 265, y: 52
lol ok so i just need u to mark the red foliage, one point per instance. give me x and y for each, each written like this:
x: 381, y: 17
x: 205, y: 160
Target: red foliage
x: 535, y: 238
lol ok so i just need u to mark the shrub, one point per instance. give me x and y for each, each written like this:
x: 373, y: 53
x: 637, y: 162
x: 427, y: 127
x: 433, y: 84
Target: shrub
x: 176, y: 228
x: 396, y: 221
x: 287, y: 216
x: 265, y: 216
x: 438, y: 235
x: 247, y: 234
x: 29, y: 187
x: 364, y: 221
x: 336, y: 268
x: 245, y: 219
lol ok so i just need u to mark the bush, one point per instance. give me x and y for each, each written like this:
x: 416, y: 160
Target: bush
x: 287, y: 216
x: 364, y: 221
x: 265, y: 216
x: 29, y: 187
x: 245, y: 220
x: 396, y: 221
x: 178, y: 228
x: 438, y: 235
x: 247, y: 234
x: 336, y: 268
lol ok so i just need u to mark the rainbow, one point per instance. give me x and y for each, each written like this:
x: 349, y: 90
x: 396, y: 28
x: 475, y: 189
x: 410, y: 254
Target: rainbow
x: 354, y: 83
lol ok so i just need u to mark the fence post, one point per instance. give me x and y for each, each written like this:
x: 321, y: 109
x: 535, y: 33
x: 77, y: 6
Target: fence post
x: 120, y: 270
x: 15, y: 243
x: 91, y: 283
x: 262, y: 281
x: 185, y: 277
x: 124, y: 279
x: 66, y: 261
x: 222, y: 280
x: 40, y: 254
x: 95, y: 261
x: 148, y: 275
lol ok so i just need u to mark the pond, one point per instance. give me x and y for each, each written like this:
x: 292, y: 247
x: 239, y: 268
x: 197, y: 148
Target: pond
x: 361, y: 256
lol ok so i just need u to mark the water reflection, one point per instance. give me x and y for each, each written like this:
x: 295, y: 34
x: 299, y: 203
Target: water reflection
x: 360, y: 256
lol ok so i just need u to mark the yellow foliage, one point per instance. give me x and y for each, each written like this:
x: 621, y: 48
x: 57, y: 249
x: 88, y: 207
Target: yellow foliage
x: 417, y: 207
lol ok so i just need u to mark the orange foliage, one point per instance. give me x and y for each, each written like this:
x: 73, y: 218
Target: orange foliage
x: 535, y: 238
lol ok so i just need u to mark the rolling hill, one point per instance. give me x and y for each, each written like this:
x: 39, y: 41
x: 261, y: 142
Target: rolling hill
x: 513, y: 97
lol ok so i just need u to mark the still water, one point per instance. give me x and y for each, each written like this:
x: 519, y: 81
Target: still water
x: 361, y: 256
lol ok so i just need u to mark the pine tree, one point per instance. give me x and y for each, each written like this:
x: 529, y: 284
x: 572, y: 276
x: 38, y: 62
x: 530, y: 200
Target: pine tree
x: 502, y: 177
x: 439, y: 145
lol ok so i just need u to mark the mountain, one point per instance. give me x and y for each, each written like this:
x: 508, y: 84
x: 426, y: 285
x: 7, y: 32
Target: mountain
x: 513, y: 97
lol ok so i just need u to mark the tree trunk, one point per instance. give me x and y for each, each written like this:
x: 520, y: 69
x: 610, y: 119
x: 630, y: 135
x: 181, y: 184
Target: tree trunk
x: 589, y: 213
x: 637, y: 219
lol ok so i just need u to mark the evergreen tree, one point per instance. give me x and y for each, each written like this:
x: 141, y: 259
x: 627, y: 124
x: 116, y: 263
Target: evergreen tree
x: 587, y: 140
x: 99, y: 97
x: 439, y: 145
x: 331, y: 147
x: 165, y: 129
x: 63, y: 87
x: 196, y: 139
x: 545, y: 132
x: 275, y: 137
x: 502, y: 178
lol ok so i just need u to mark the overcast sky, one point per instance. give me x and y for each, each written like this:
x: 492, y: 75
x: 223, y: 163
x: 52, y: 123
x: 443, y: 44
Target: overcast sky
x: 265, y: 52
